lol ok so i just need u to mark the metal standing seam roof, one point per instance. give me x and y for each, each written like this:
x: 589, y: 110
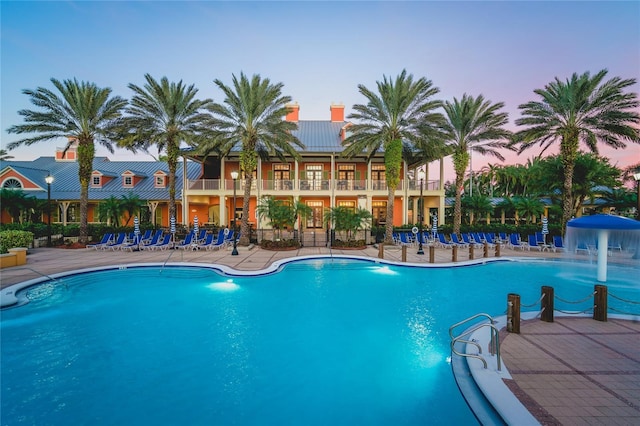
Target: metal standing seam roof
x: 67, y: 187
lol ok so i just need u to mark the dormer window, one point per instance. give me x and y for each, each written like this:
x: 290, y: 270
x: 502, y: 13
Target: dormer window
x: 96, y: 181
x: 160, y: 179
x: 128, y: 181
x: 12, y: 183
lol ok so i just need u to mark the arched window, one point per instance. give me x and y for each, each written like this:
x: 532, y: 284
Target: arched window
x: 12, y: 183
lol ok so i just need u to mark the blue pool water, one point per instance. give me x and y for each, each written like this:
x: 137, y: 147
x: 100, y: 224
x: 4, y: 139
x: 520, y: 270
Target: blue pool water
x: 320, y: 342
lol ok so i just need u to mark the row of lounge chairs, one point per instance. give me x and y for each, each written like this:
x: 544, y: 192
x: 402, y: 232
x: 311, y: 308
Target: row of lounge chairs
x: 479, y: 239
x: 159, y: 241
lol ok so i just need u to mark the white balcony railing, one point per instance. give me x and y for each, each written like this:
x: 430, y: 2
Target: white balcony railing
x: 310, y: 185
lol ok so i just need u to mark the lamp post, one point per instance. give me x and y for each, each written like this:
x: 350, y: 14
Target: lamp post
x: 234, y: 176
x: 49, y: 180
x: 420, y: 215
x: 636, y: 176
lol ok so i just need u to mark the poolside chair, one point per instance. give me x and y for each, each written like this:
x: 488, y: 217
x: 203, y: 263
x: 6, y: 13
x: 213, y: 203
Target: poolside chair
x: 540, y: 238
x: 202, y: 235
x: 583, y: 247
x: 514, y: 242
x: 468, y: 240
x: 133, y: 244
x: 205, y: 242
x: 153, y: 241
x: 533, y: 243
x: 502, y: 236
x: 164, y: 244
x: 120, y: 239
x: 147, y: 235
x: 219, y: 242
x: 405, y: 239
x: 558, y: 244
x: 106, y: 239
x: 187, y: 242
x: 229, y: 238
x: 442, y: 241
x: 456, y: 241
x: 489, y: 240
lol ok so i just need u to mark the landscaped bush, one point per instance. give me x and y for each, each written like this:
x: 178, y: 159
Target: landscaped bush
x: 349, y: 243
x: 280, y: 244
x: 12, y: 239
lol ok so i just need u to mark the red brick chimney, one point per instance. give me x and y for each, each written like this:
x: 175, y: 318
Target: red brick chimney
x: 337, y: 112
x: 292, y: 115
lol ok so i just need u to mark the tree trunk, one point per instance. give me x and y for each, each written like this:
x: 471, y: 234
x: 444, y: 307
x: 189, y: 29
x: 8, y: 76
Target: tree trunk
x: 568, y: 154
x: 172, y: 162
x: 457, y: 208
x: 388, y: 227
x: 86, y: 152
x: 244, y: 223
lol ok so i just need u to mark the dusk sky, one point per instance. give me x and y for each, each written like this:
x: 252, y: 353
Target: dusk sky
x: 320, y: 51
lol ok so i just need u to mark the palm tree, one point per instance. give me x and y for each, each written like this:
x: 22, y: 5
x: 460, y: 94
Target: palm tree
x: 473, y: 124
x: 110, y: 210
x: 131, y: 204
x: 84, y: 114
x: 4, y: 155
x: 527, y: 207
x: 251, y: 119
x: 401, y: 112
x: 347, y: 220
x: 581, y: 109
x: 477, y: 205
x: 166, y: 114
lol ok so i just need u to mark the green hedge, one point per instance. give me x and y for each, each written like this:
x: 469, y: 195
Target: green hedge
x: 11, y: 239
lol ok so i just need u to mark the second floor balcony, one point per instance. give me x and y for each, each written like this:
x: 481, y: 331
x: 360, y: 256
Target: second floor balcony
x: 304, y: 186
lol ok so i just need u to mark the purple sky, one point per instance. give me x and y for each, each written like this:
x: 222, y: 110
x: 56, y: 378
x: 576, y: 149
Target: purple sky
x: 321, y: 51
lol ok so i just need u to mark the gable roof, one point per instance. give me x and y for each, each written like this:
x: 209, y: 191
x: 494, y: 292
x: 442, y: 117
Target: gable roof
x: 66, y: 185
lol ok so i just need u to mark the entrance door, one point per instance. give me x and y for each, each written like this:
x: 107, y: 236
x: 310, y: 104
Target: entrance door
x: 379, y: 212
x: 314, y: 220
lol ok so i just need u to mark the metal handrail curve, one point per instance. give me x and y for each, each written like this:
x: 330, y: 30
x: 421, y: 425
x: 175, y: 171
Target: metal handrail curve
x: 494, y: 344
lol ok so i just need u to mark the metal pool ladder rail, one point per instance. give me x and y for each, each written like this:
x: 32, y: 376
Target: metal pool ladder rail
x: 494, y: 345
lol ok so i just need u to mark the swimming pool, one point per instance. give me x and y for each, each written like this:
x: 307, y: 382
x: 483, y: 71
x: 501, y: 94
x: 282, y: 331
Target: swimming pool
x: 322, y: 341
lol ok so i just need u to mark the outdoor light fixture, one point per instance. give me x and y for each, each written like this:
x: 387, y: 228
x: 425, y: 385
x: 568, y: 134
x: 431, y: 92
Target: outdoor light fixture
x: 420, y: 215
x: 234, y: 176
x: 636, y: 176
x: 49, y: 180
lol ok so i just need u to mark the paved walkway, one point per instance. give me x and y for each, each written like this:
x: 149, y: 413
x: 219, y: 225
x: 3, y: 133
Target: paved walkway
x: 575, y: 371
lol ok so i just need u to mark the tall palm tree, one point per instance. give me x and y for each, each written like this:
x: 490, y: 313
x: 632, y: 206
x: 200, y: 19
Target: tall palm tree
x: 401, y: 112
x: 583, y: 108
x: 166, y: 114
x: 83, y: 113
x: 473, y: 124
x: 251, y: 119
x: 4, y: 155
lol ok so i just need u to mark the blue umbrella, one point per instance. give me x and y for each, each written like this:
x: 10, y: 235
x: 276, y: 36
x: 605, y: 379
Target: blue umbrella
x: 545, y: 228
x: 434, y: 226
x: 172, y: 223
x: 195, y: 228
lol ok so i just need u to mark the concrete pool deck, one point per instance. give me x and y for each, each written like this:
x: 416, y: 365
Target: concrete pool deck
x: 573, y: 371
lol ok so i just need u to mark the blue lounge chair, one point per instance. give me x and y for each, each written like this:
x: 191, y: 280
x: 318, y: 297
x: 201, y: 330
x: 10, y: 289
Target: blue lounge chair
x: 147, y: 235
x: 456, y: 241
x: 503, y: 237
x: 154, y: 241
x: 106, y: 239
x: 514, y: 242
x: 533, y: 243
x: 164, y: 244
x: 133, y: 244
x: 558, y: 244
x: 120, y: 239
x: 489, y: 239
x: 219, y: 242
x: 405, y: 239
x: 442, y: 241
x: 205, y: 242
x: 187, y: 242
x: 201, y: 235
x: 230, y: 236
x: 468, y: 240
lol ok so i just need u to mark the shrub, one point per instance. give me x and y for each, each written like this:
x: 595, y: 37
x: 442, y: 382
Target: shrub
x: 280, y: 244
x: 12, y: 239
